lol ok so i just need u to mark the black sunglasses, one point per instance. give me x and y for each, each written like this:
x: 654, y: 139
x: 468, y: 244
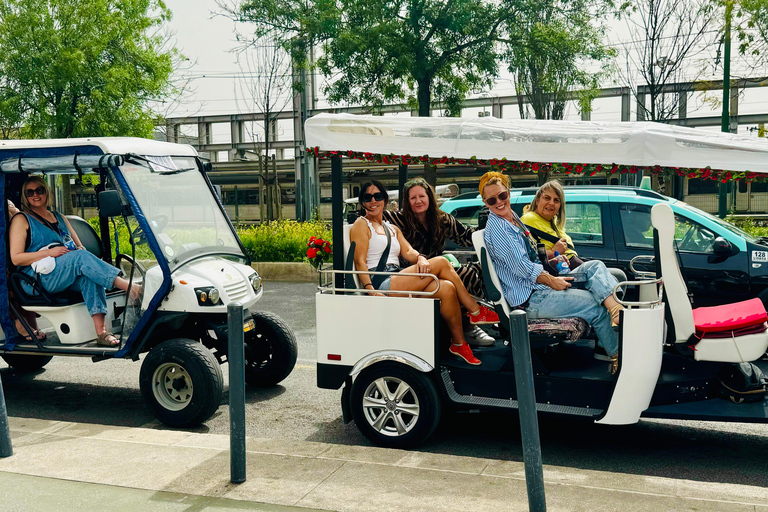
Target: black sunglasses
x: 503, y: 196
x: 378, y: 196
x: 40, y: 191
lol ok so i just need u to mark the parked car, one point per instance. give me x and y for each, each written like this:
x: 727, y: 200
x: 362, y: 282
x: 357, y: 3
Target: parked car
x: 720, y: 262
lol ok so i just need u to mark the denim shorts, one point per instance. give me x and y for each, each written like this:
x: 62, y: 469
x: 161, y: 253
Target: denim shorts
x: 385, y: 284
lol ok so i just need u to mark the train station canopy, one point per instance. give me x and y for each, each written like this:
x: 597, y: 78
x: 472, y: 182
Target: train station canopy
x: 488, y: 139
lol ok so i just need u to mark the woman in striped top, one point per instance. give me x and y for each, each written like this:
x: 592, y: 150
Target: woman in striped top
x: 525, y: 283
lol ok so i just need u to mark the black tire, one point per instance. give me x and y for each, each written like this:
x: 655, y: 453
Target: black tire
x: 270, y: 350
x: 181, y: 382
x: 417, y: 410
x: 25, y: 363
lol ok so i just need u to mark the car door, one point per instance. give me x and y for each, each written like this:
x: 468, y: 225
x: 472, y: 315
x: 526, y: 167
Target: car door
x: 588, y: 223
x: 710, y: 279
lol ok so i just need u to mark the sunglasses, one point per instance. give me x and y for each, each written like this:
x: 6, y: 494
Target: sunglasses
x: 503, y: 196
x: 415, y: 181
x: 40, y: 191
x: 378, y: 196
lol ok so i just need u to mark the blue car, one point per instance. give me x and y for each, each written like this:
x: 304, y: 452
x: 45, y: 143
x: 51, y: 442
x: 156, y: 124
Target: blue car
x: 719, y: 262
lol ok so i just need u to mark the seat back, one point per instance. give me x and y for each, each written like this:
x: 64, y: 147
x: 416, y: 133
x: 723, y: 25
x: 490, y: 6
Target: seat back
x: 491, y: 283
x: 86, y: 234
x: 676, y: 292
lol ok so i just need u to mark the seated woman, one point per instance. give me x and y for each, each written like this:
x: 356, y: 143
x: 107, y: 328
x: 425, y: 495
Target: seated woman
x: 23, y: 315
x: 545, y: 217
x: 427, y: 228
x: 39, y: 233
x: 525, y: 283
x: 368, y: 233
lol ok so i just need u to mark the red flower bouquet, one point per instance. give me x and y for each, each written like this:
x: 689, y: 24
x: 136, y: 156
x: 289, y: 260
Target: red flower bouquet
x: 318, y: 251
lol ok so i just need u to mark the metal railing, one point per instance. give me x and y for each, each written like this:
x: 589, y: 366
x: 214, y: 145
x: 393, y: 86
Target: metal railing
x: 630, y: 304
x: 330, y: 288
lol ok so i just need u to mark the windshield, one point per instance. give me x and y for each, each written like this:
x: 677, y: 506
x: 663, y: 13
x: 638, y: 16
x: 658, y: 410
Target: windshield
x: 720, y: 222
x: 180, y: 208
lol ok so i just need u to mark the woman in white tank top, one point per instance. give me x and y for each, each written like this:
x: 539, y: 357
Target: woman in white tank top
x: 370, y: 239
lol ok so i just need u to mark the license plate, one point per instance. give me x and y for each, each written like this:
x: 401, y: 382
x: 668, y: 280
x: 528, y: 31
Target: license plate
x: 249, y: 325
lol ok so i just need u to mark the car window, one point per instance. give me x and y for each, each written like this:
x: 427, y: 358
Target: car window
x: 584, y: 223
x: 636, y: 225
x: 691, y: 236
x: 467, y: 215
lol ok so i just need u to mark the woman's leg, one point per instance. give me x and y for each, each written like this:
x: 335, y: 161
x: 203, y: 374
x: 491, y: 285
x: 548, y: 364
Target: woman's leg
x: 600, y: 283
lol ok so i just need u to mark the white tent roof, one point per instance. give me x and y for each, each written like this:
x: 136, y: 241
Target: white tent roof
x: 588, y: 142
x: 115, y: 145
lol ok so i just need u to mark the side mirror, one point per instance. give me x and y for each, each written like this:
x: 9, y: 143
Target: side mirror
x: 110, y: 204
x: 722, y: 247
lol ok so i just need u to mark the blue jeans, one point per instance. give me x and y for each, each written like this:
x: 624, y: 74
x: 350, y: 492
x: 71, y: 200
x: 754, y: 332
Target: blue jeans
x: 586, y: 304
x: 83, y: 272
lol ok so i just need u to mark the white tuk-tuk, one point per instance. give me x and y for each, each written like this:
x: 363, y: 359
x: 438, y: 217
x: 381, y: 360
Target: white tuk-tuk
x: 390, y: 353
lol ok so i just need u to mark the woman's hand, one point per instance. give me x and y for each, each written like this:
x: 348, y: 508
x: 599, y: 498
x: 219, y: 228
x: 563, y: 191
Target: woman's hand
x: 559, y: 283
x: 55, y: 252
x: 561, y: 246
x: 422, y: 265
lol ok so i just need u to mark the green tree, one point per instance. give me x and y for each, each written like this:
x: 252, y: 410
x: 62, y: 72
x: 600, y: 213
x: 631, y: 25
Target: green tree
x: 376, y: 51
x: 73, y: 68
x: 560, y: 49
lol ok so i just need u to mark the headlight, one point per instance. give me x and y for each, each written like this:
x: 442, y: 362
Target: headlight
x: 256, y: 282
x: 207, y: 296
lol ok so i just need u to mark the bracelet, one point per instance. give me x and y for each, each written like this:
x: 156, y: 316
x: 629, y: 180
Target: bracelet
x: 423, y: 255
x: 366, y: 285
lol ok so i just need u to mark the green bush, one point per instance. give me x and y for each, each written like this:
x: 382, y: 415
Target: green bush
x: 749, y: 225
x: 284, y: 240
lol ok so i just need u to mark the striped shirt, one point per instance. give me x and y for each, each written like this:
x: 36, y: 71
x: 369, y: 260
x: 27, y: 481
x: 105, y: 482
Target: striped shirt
x: 507, y: 248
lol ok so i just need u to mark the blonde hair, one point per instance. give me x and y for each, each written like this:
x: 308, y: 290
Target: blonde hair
x: 40, y: 181
x: 492, y: 178
x: 558, y: 221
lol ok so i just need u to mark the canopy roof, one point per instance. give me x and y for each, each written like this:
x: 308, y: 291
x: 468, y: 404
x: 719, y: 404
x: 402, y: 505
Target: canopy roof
x: 587, y: 142
x: 114, y: 145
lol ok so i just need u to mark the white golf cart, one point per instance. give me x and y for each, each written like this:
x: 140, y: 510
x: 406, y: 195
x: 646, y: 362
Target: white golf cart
x: 390, y: 353
x: 177, y: 243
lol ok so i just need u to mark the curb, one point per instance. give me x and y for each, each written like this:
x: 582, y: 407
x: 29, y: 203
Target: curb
x: 281, y: 271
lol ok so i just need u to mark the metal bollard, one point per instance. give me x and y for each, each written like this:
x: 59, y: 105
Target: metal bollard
x: 526, y: 400
x: 236, y: 359
x: 6, y: 450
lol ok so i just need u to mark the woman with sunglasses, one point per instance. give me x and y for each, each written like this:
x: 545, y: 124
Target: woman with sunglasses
x: 38, y: 233
x: 545, y: 218
x: 525, y: 283
x: 427, y: 228
x: 371, y: 241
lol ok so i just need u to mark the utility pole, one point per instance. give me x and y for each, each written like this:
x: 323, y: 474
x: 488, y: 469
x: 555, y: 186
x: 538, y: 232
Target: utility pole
x: 725, y: 120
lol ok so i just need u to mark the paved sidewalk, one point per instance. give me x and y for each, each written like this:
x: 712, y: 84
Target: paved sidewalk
x: 79, y: 466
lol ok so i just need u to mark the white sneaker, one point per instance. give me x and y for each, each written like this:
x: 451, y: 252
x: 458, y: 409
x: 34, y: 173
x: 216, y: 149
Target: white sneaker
x: 477, y: 337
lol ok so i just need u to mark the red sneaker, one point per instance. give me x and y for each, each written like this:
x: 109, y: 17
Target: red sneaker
x: 464, y: 352
x: 485, y: 316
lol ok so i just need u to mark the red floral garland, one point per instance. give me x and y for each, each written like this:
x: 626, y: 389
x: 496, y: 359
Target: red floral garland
x: 504, y: 165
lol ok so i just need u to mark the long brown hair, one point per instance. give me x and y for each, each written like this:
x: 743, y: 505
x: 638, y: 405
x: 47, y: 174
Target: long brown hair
x: 433, y: 215
x: 558, y: 221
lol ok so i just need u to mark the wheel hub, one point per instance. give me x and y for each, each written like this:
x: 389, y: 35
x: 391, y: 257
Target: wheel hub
x: 172, y: 386
x: 391, y: 406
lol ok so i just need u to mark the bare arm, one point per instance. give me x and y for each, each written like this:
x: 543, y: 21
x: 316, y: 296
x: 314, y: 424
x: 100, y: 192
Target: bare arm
x: 411, y: 255
x: 17, y: 238
x: 361, y: 236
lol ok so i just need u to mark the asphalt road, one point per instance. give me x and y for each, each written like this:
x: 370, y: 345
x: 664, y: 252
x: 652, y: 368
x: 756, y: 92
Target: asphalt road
x: 74, y: 389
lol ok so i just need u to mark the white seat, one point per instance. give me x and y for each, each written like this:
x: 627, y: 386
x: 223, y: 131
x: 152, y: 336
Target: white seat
x: 733, y: 349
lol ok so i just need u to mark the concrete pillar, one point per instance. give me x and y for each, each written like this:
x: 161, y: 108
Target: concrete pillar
x: 734, y: 109
x: 203, y: 133
x: 236, y: 133
x: 682, y: 105
x: 626, y: 98
x: 640, y: 105
x: 496, y: 107
x: 586, y: 115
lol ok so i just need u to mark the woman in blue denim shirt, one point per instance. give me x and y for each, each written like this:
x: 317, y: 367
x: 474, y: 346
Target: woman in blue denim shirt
x: 38, y: 233
x: 523, y: 279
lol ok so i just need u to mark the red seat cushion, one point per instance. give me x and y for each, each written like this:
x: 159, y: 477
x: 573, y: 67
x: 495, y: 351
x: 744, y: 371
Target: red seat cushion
x: 729, y: 317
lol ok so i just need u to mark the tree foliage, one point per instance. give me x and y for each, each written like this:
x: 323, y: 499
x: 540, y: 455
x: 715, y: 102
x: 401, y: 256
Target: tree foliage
x: 561, y: 49
x: 376, y: 51
x: 82, y: 67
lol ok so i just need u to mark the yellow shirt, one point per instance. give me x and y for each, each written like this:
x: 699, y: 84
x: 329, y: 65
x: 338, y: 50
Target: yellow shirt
x: 537, y: 221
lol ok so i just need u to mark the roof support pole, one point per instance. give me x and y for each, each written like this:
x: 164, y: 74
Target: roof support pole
x: 337, y: 219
